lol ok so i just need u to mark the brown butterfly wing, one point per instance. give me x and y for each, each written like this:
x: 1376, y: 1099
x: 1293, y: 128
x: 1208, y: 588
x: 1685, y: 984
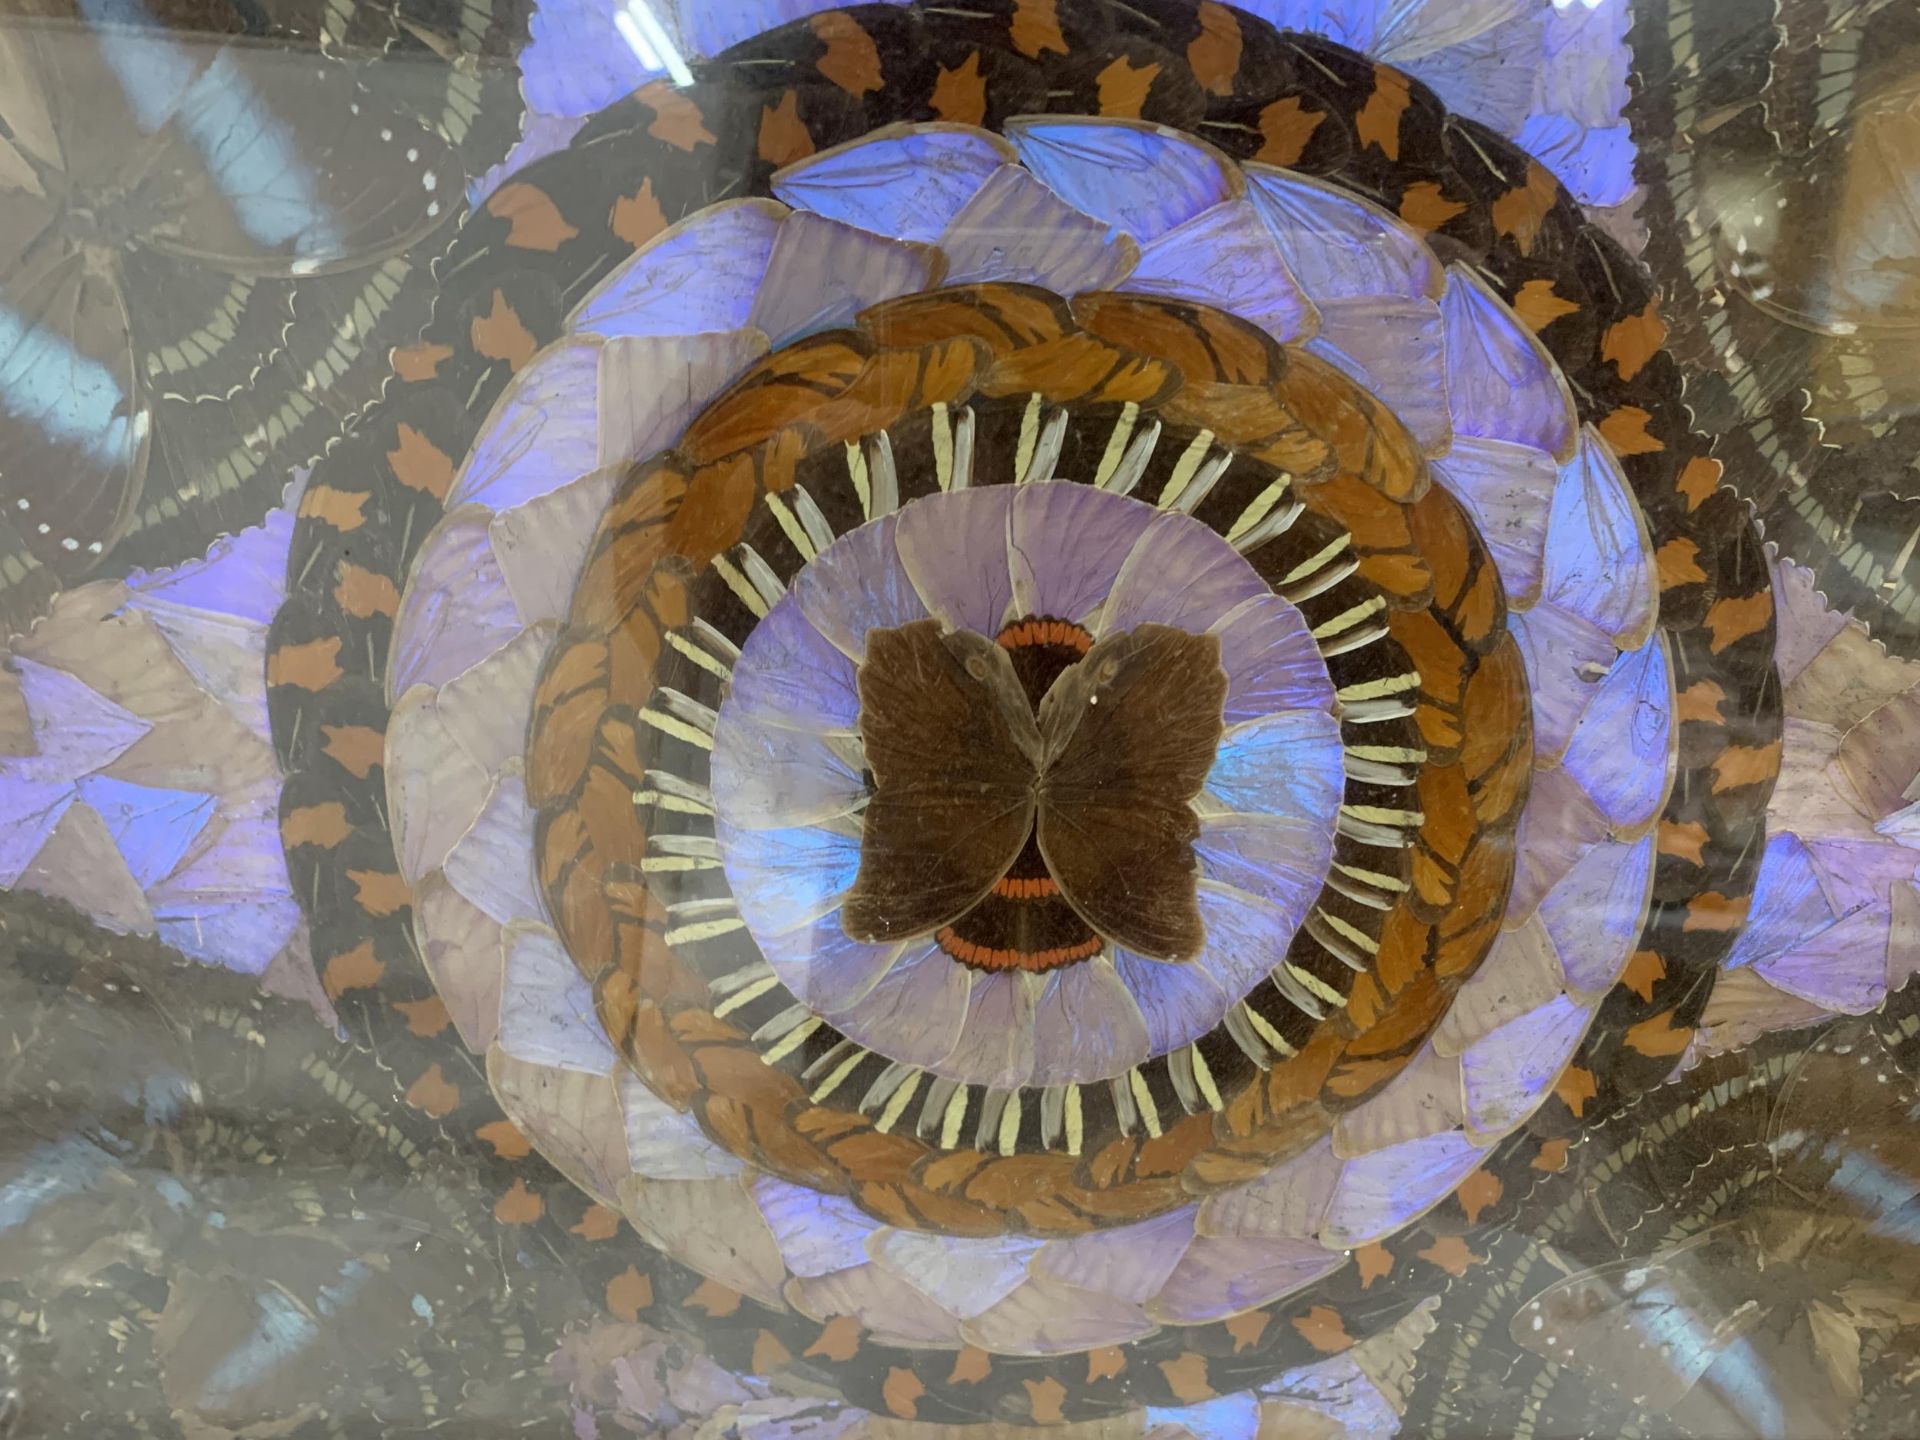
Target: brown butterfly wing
x: 952, y: 746
x: 1130, y: 735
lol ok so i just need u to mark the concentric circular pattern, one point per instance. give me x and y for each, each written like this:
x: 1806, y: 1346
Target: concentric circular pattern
x: 1140, y: 1080
x: 775, y: 955
x: 843, y: 919
x: 804, y: 606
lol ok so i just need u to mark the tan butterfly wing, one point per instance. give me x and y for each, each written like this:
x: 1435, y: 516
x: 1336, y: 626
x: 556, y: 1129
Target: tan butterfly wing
x: 1130, y: 734
x: 952, y: 746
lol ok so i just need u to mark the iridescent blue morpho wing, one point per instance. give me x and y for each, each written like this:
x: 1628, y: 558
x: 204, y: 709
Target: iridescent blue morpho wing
x: 200, y: 242
x: 1647, y: 1328
x: 252, y: 156
x: 74, y: 422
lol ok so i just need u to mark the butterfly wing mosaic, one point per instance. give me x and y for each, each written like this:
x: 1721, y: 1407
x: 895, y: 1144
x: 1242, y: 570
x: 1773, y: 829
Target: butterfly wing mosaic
x: 219, y: 220
x: 1021, y: 716
x: 1785, y: 226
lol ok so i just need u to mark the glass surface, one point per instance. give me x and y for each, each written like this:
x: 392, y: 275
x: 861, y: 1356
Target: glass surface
x: 741, y: 719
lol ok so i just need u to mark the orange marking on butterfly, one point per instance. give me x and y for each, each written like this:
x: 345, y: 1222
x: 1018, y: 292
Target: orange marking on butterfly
x: 1538, y: 306
x: 902, y: 1391
x: 1247, y: 1328
x: 1214, y: 54
x: 1378, y: 122
x: 676, y: 118
x: 1287, y: 127
x: 1105, y: 1363
x: 637, y: 218
x: 419, y: 464
x: 380, y: 892
x: 311, y: 667
x: 534, y: 222
x: 507, y: 1141
x: 499, y: 335
x: 1710, y: 910
x: 769, y: 1354
x: 1575, y: 1087
x: 852, y: 60
x: 716, y: 1299
x: 1677, y: 563
x: 1660, y: 1037
x: 1741, y: 765
x: 364, y: 593
x: 1187, y: 1377
x: 1522, y: 210
x: 1683, y: 840
x: 425, y: 1018
x: 1736, y: 617
x: 1036, y: 28
x: 1701, y: 701
x: 415, y: 363
x: 1123, y: 87
x: 519, y: 1206
x: 1645, y: 969
x: 629, y: 1293
x: 1043, y: 1400
x: 970, y: 1366
x: 1552, y: 1157
x: 960, y: 94
x: 342, y: 509
x: 356, y: 749
x: 599, y: 1223
x: 1425, y: 207
x: 1626, y: 431
x: 839, y: 1340
x: 1630, y: 343
x: 433, y: 1094
x: 1478, y: 1191
x: 1698, y: 480
x: 1451, y: 1254
x: 1045, y: 632
x: 322, y: 825
x: 783, y: 134
x: 1374, y: 1261
x: 355, y: 969
x: 1033, y: 961
x: 1322, y: 1328
x: 1037, y: 887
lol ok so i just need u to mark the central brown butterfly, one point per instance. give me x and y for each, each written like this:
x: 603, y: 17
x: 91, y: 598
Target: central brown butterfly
x: 1101, y: 774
